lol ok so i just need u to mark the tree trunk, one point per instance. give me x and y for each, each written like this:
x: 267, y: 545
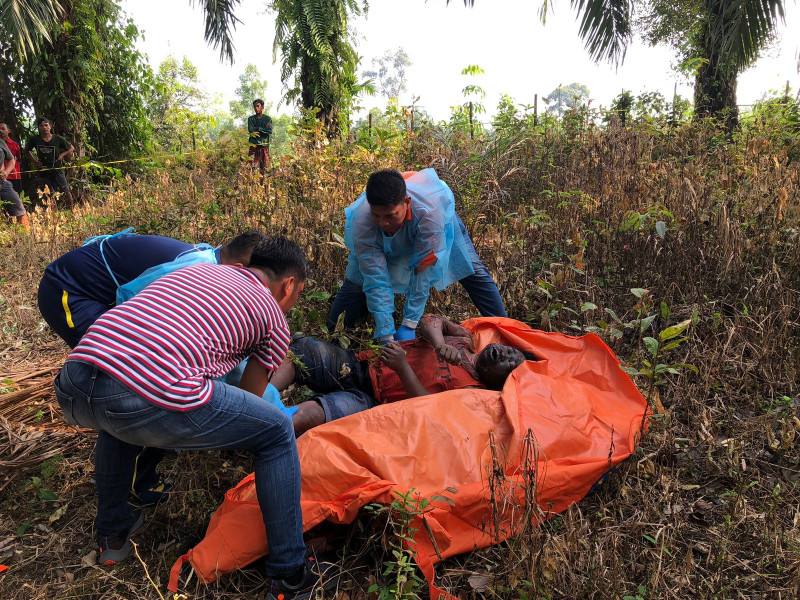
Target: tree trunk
x: 8, y: 110
x: 715, y: 84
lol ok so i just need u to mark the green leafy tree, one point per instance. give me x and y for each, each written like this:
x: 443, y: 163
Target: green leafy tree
x: 566, y: 97
x: 87, y: 76
x: 465, y: 116
x: 178, y: 104
x: 24, y: 26
x: 318, y: 61
x: 390, y: 72
x: 717, y: 39
x: 251, y: 86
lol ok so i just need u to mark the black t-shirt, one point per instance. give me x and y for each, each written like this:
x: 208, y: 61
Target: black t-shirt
x: 47, y: 152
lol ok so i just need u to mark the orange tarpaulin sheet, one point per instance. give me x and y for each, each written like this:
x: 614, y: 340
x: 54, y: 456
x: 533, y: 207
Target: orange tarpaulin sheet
x: 582, y: 409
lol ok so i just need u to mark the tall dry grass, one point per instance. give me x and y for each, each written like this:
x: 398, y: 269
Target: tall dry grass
x: 568, y: 222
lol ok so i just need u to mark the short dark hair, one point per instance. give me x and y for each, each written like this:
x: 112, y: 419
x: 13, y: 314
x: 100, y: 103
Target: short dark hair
x: 258, y: 101
x: 386, y: 188
x: 41, y: 120
x: 241, y: 247
x: 281, y: 257
x: 528, y: 355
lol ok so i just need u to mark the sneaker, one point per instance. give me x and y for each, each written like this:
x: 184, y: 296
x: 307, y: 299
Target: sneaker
x: 317, y: 576
x: 116, y: 548
x: 155, y: 494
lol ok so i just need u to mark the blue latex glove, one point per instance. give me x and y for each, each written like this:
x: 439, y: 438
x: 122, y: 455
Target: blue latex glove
x: 405, y: 333
x: 289, y: 410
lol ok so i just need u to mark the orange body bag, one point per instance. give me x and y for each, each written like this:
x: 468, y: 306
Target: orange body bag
x: 583, y: 412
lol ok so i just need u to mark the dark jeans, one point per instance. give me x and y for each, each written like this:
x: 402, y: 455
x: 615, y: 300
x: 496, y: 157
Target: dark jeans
x: 56, y: 181
x: 10, y: 199
x: 480, y: 286
x: 341, y: 381
x: 231, y: 420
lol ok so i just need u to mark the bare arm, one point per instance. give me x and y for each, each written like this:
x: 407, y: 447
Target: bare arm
x: 32, y: 158
x: 394, y: 357
x: 434, y: 328
x: 255, y: 378
x: 66, y: 153
x: 8, y: 168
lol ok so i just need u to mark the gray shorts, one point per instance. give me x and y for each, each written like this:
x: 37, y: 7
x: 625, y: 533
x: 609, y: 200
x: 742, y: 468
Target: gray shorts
x: 11, y: 202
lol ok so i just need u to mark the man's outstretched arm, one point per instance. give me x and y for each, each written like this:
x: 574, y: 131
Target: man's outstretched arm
x: 434, y: 328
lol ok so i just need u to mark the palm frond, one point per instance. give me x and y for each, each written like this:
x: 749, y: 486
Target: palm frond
x: 28, y: 23
x: 220, y: 24
x: 740, y: 29
x: 605, y: 28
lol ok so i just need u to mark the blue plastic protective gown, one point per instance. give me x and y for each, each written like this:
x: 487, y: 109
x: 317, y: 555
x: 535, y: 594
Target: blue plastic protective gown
x: 200, y: 254
x: 385, y: 265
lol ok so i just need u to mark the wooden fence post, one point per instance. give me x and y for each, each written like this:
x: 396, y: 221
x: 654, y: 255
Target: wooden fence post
x: 535, y: 110
x: 370, y: 124
x: 471, y: 130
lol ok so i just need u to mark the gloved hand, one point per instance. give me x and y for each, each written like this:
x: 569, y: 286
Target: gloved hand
x: 405, y: 333
x: 289, y: 410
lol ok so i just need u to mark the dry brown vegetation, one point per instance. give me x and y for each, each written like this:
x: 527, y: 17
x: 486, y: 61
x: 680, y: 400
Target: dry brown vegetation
x: 567, y: 222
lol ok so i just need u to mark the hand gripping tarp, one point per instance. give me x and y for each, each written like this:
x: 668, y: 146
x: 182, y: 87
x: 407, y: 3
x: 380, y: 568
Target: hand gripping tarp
x: 582, y: 409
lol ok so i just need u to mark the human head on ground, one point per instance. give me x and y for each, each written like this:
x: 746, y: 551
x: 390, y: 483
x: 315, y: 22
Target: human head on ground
x: 258, y: 105
x: 44, y: 125
x: 4, y: 131
x: 283, y: 267
x: 237, y: 252
x: 388, y: 199
x: 496, y: 361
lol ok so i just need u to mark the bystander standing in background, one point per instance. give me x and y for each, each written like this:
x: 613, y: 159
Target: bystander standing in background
x: 8, y: 196
x: 15, y: 176
x: 259, y: 126
x: 50, y: 149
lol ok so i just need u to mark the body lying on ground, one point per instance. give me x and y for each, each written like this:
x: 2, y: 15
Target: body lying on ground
x: 441, y: 359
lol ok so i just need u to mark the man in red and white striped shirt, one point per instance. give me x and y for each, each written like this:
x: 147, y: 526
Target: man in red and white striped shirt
x: 143, y: 376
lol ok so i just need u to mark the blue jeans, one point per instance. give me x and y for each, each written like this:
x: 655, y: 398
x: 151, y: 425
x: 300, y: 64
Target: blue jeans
x: 480, y: 286
x: 339, y: 394
x: 232, y: 419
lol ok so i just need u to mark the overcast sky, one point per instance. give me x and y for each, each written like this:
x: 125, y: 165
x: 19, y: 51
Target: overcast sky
x: 521, y: 57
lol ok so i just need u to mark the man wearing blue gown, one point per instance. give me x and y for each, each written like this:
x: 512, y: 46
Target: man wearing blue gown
x: 404, y: 236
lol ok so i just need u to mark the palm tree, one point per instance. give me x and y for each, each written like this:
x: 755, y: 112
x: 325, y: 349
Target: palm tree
x: 24, y: 26
x: 319, y: 63
x: 27, y: 23
x: 724, y: 39
x: 220, y: 24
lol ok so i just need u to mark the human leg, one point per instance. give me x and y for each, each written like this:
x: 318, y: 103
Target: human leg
x: 59, y: 179
x: 480, y: 286
x: 325, y: 367
x: 13, y: 204
x: 351, y: 300
x: 148, y: 486
x: 232, y: 419
x: 79, y: 395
